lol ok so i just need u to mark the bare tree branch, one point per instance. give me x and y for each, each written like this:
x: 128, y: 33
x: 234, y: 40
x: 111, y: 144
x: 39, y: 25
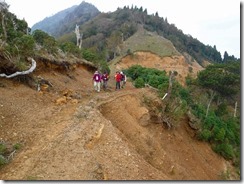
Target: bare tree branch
x: 11, y: 156
x: 235, y: 109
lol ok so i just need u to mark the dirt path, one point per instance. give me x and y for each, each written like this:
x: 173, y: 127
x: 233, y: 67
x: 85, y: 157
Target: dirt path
x: 74, y: 133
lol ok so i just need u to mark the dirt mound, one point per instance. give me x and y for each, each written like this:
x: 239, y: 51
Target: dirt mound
x: 71, y: 132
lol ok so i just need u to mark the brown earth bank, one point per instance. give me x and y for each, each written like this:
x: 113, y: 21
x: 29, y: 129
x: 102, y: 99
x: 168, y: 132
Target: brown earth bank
x: 70, y: 132
x: 180, y: 64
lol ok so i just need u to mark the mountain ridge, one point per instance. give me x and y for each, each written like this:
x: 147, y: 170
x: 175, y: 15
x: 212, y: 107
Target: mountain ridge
x: 76, y: 14
x: 95, y: 28
x: 54, y: 19
x: 99, y: 28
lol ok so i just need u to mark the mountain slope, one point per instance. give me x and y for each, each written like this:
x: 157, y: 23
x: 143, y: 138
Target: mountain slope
x: 100, y: 29
x: 65, y: 21
x: 107, y: 28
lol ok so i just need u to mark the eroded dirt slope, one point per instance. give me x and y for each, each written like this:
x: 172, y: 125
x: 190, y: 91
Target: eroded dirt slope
x: 173, y: 63
x: 70, y: 132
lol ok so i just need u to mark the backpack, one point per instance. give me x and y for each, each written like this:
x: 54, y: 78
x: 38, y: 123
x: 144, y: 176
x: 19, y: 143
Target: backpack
x: 122, y: 77
x: 105, y: 77
x: 97, y: 77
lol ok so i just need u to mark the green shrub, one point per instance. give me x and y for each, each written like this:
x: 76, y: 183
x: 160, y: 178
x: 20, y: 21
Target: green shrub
x: 88, y: 55
x: 24, y: 45
x: 134, y: 71
x: 40, y: 36
x: 210, y: 122
x: 139, y: 83
x: 220, y: 135
x: 163, y: 87
x: 233, y: 131
x: 154, y: 81
x: 204, y: 135
x: 221, y: 110
x: 3, y: 160
x: 129, y: 52
x: 2, y: 148
x: 103, y: 66
x: 21, y: 65
x: 17, y: 146
x: 226, y: 150
x: 70, y: 47
x: 185, y: 95
x: 190, y: 80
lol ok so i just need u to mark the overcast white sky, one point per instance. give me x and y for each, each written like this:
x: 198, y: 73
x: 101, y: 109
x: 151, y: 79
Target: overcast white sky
x: 213, y: 22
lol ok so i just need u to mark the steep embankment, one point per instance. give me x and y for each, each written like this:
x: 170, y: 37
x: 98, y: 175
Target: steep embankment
x: 70, y: 132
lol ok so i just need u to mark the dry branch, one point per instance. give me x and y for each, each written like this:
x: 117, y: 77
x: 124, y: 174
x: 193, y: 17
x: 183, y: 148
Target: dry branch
x: 11, y: 156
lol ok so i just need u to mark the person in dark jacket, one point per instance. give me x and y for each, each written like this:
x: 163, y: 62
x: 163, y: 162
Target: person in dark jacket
x: 123, y: 79
x: 105, y: 78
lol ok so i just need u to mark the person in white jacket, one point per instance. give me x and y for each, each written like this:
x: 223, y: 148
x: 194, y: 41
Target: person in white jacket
x: 123, y: 79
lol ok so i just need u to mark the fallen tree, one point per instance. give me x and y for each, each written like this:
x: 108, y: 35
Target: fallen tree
x: 32, y: 68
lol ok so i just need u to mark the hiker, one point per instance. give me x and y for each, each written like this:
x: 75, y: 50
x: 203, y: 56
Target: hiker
x: 123, y: 79
x: 105, y: 78
x: 117, y: 79
x: 97, y: 81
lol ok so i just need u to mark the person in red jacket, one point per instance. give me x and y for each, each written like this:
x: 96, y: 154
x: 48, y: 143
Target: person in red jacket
x: 117, y: 79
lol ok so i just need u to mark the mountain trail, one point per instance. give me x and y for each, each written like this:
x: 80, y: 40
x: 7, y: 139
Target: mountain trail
x: 71, y: 132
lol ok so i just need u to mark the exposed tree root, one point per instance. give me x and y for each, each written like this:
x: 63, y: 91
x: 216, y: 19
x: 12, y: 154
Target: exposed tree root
x: 32, y: 68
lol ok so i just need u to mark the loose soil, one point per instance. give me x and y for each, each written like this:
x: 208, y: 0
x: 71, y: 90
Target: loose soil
x: 71, y: 132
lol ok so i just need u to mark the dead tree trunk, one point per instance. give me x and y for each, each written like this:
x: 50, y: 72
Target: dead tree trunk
x: 165, y: 118
x: 3, y: 26
x: 210, y: 101
x: 235, y: 109
x: 78, y: 36
x: 3, y: 10
x: 171, y: 78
